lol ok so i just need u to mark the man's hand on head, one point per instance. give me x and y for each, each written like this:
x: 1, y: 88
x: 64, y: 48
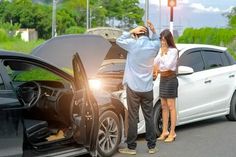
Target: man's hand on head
x: 138, y: 30
x: 151, y: 26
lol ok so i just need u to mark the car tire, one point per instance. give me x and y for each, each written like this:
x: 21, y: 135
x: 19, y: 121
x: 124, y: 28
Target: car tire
x: 157, y: 119
x: 109, y: 134
x: 232, y: 113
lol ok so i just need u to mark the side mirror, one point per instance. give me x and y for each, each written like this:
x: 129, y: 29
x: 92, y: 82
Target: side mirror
x: 185, y: 70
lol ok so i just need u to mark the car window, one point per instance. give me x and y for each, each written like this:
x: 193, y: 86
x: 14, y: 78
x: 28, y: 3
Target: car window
x: 212, y: 59
x: 22, y: 71
x: 193, y: 60
x: 1, y: 83
x: 224, y: 59
x: 230, y: 58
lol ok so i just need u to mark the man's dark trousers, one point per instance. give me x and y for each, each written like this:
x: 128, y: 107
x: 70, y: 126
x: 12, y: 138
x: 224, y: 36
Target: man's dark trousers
x: 134, y: 101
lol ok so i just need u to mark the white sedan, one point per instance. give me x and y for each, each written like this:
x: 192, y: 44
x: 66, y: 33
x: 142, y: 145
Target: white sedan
x: 207, y: 86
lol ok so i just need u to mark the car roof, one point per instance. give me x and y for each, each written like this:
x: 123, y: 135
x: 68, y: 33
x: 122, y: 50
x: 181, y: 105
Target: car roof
x: 185, y: 47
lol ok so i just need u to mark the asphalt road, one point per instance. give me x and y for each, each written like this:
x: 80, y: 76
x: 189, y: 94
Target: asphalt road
x: 210, y: 138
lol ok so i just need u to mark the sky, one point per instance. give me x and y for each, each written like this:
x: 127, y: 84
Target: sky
x: 190, y: 13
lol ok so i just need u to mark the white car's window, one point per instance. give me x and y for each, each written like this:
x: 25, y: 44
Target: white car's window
x: 212, y: 59
x: 1, y: 83
x: 193, y: 60
x: 224, y: 59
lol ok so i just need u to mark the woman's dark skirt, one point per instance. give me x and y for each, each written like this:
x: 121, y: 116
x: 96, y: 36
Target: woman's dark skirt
x: 169, y: 87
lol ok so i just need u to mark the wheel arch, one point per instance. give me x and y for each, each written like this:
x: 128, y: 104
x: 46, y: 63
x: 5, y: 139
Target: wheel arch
x: 158, y: 102
x: 115, y: 105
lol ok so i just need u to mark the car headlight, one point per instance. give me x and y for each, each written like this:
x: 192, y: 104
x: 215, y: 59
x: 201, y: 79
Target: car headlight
x: 95, y: 84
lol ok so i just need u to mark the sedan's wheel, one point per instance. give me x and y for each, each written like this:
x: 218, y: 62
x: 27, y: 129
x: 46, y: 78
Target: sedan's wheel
x: 232, y: 112
x: 158, y: 123
x: 158, y: 120
x: 109, y: 134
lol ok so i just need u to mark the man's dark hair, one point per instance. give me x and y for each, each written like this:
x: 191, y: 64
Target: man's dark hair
x: 145, y: 33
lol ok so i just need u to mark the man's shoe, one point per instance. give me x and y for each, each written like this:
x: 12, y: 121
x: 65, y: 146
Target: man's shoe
x: 127, y: 151
x: 152, y: 150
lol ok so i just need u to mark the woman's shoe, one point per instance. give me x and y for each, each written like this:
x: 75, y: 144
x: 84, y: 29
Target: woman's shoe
x: 170, y: 139
x: 163, y: 136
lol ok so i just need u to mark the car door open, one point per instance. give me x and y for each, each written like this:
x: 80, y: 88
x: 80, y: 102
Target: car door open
x: 85, y: 113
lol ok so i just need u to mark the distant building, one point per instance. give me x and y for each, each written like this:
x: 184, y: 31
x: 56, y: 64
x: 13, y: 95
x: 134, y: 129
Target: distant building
x: 27, y: 34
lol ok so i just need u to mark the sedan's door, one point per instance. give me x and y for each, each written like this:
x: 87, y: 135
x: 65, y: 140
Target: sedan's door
x: 219, y: 81
x: 11, y: 126
x: 85, y: 112
x: 193, y: 88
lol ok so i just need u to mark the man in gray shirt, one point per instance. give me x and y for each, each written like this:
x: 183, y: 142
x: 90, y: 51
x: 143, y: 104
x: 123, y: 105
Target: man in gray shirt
x: 138, y: 78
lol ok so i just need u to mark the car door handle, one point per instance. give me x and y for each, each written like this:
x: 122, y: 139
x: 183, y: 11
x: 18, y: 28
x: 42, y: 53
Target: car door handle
x: 207, y: 81
x: 231, y: 76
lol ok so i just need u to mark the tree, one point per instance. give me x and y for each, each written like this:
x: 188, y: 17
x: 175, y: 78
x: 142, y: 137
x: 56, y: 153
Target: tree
x: 70, y: 13
x: 232, y: 18
x: 131, y: 13
x: 124, y: 12
x: 34, y: 15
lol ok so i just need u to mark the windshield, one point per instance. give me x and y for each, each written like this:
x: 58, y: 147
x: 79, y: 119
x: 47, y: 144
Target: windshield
x: 22, y: 72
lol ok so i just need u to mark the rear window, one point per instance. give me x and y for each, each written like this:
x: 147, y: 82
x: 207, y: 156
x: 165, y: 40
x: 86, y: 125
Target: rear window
x: 230, y: 58
x: 212, y: 59
x: 1, y: 83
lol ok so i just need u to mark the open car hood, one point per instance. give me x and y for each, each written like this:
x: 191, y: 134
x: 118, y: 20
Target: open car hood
x: 59, y: 51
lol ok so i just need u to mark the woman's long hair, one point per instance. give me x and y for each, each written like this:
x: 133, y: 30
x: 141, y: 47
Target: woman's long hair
x: 169, y: 38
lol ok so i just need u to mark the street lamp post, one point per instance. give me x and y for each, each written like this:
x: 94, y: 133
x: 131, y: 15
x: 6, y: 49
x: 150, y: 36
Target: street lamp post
x: 146, y: 11
x: 87, y: 15
x: 54, y: 29
x: 160, y: 14
x: 172, y: 4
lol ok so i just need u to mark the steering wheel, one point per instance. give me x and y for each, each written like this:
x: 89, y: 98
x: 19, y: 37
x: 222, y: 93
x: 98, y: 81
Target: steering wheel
x: 29, y: 93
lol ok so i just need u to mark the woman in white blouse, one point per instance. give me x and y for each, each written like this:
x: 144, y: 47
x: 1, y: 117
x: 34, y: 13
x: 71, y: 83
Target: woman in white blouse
x: 165, y: 63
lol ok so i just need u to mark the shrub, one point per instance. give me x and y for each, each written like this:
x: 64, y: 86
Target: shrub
x: 75, y: 30
x: 3, y: 35
x: 212, y: 36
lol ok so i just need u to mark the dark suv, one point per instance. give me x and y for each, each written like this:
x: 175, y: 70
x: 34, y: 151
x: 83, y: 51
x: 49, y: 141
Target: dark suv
x: 46, y: 105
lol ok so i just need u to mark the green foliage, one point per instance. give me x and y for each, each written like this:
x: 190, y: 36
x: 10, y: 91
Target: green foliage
x: 74, y: 4
x: 127, y: 12
x: 75, y: 30
x: 232, y: 48
x: 213, y: 36
x: 132, y: 12
x: 3, y: 35
x: 65, y: 20
x: 70, y: 13
x: 20, y: 46
x: 36, y: 74
x: 232, y: 21
x: 9, y: 27
x: 26, y: 14
x: 232, y: 18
